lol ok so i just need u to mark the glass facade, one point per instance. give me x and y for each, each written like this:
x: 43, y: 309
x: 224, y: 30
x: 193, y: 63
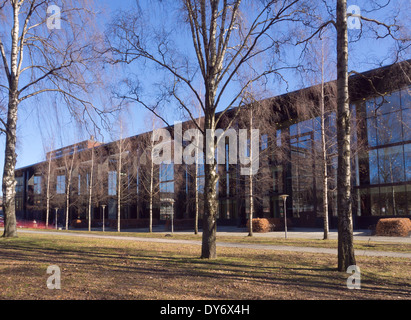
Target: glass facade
x: 389, y: 157
x: 166, y: 179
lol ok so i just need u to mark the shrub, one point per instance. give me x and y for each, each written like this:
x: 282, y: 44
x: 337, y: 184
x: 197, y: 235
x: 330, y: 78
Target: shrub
x: 394, y: 227
x: 261, y: 225
x: 264, y: 225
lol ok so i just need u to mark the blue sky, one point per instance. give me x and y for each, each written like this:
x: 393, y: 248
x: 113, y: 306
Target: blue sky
x: 31, y: 129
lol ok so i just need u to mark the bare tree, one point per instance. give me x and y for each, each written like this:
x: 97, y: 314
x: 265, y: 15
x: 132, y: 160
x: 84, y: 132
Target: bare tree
x: 226, y: 36
x: 257, y: 188
x: 70, y: 165
x: 396, y: 30
x: 320, y: 104
x: 40, y: 59
x: 148, y: 171
x: 49, y: 175
x: 121, y: 164
x: 90, y: 187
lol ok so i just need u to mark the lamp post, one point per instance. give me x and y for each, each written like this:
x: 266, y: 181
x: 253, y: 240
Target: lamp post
x: 284, y: 198
x: 170, y: 201
x: 104, y: 207
x: 56, y: 209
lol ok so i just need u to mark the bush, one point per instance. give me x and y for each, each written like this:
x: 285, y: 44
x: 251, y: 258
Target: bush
x: 394, y: 227
x: 261, y: 225
x: 264, y: 225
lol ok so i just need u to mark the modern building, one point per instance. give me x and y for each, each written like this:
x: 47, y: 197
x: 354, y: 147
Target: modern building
x: 120, y: 176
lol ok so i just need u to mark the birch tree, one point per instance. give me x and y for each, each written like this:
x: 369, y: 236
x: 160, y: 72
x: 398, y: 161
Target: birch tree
x: 44, y: 52
x: 258, y: 115
x: 320, y: 105
x: 225, y: 37
x: 70, y: 164
x: 123, y: 171
x: 391, y: 27
x: 91, y: 186
x: 148, y: 171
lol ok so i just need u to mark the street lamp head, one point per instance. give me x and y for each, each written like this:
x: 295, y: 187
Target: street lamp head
x: 284, y: 196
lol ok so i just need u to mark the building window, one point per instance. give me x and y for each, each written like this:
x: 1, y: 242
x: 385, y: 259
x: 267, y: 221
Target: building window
x: 112, y: 183
x: 278, y: 139
x: 264, y: 142
x: 200, y: 185
x: 388, y: 119
x: 19, y: 185
x: 407, y: 157
x: 37, y: 185
x: 391, y: 164
x: 61, y: 184
x: 166, y: 178
x: 166, y: 172
x: 83, y: 183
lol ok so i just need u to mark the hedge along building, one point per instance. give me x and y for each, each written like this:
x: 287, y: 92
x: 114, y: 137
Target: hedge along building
x: 127, y: 182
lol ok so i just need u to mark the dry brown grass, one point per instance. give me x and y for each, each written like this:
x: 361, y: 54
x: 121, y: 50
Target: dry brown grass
x: 112, y: 269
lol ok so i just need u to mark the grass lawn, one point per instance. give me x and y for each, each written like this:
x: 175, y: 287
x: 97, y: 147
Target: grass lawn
x: 317, y: 243
x: 114, y: 269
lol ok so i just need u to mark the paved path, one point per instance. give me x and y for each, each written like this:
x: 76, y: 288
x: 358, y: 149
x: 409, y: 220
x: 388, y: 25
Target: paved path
x: 312, y: 235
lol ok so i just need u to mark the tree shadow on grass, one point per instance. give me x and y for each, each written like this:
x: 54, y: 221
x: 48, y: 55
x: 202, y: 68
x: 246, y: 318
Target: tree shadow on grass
x: 308, y: 278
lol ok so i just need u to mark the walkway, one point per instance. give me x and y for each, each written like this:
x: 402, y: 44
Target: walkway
x: 296, y: 234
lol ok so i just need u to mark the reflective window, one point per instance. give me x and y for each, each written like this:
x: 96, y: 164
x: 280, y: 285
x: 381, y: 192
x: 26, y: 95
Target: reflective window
x: 19, y: 185
x: 406, y: 123
x: 166, y: 178
x: 373, y: 165
x: 61, y: 184
x: 389, y: 119
x: 389, y: 128
x: 391, y: 164
x: 37, y: 185
x: 264, y: 142
x: 167, y: 187
x: 112, y: 183
x: 166, y: 172
x: 372, y: 132
x: 407, y: 157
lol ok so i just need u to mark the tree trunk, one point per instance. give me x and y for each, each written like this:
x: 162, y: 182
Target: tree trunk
x: 119, y: 190
x: 209, y: 248
x: 90, y: 188
x: 251, y: 198
x: 151, y: 194
x: 196, y: 198
x: 346, y: 255
x: 68, y: 188
x: 10, y: 157
x: 324, y: 151
x: 48, y: 192
x: 9, y: 180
